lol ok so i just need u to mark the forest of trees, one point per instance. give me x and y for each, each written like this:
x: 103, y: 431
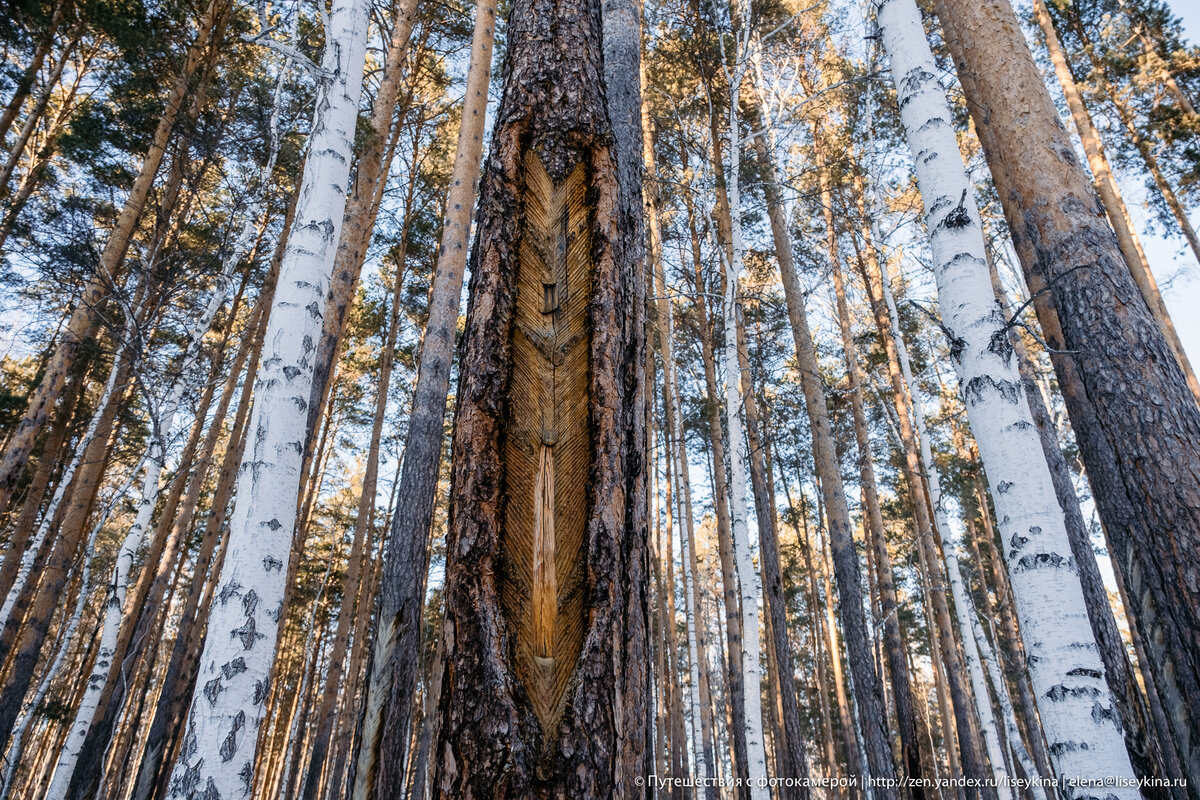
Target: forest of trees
x: 573, y: 399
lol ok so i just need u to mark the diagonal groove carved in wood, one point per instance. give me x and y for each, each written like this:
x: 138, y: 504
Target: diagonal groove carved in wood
x: 547, y: 440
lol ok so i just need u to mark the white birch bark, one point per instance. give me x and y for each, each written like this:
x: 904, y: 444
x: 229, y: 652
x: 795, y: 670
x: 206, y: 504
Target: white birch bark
x: 756, y: 755
x: 964, y: 615
x: 1064, y: 665
x: 689, y: 607
x: 217, y: 755
x: 992, y: 666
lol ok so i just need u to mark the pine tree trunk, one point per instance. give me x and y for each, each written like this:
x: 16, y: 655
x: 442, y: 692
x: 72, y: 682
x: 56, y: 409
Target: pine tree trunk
x: 801, y: 531
x: 1076, y: 707
x: 327, y: 712
x: 29, y: 75
x: 539, y: 696
x: 1136, y: 421
x: 1110, y: 194
x: 380, y: 768
x: 872, y: 712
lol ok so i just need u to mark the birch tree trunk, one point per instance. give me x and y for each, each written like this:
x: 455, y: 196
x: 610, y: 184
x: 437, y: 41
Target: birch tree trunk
x: 227, y: 707
x: 1135, y: 418
x: 539, y: 695
x: 1065, y: 668
x: 746, y: 574
x: 362, y: 206
x: 789, y: 746
x: 382, y: 756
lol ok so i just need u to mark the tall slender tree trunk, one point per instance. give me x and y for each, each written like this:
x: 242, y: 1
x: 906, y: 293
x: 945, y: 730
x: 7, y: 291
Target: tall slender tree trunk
x: 802, y: 540
x: 876, y: 535
x: 228, y: 704
x: 539, y: 695
x: 380, y: 768
x: 327, y: 712
x: 1064, y: 667
x: 362, y: 207
x: 793, y: 761
x: 734, y: 688
x: 1136, y: 421
x: 747, y: 575
x: 677, y: 456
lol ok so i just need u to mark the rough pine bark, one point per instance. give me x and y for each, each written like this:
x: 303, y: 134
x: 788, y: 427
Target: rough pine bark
x: 1110, y: 193
x: 506, y: 729
x: 1065, y: 668
x: 216, y: 759
x: 1135, y: 418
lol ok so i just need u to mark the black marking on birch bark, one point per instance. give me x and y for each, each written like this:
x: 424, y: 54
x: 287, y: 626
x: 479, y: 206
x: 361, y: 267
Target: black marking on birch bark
x: 270, y: 563
x: 212, y: 690
x: 958, y: 218
x: 229, y: 746
x: 248, y: 634
x: 980, y: 384
x: 913, y: 81
x: 1059, y: 692
x: 273, y: 524
x: 1087, y: 672
x: 300, y: 402
x: 190, y: 779
x: 260, y: 691
x: 1004, y: 487
x: 1102, y: 713
x: 250, y: 602
x: 246, y: 773
x: 1017, y: 543
x: 235, y: 667
x: 1000, y: 345
x: 290, y: 372
x: 1041, y: 560
x: 210, y: 791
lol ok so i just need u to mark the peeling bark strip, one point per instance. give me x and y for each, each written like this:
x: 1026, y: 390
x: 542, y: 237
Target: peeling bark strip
x: 217, y: 753
x: 546, y: 454
x: 1064, y: 665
